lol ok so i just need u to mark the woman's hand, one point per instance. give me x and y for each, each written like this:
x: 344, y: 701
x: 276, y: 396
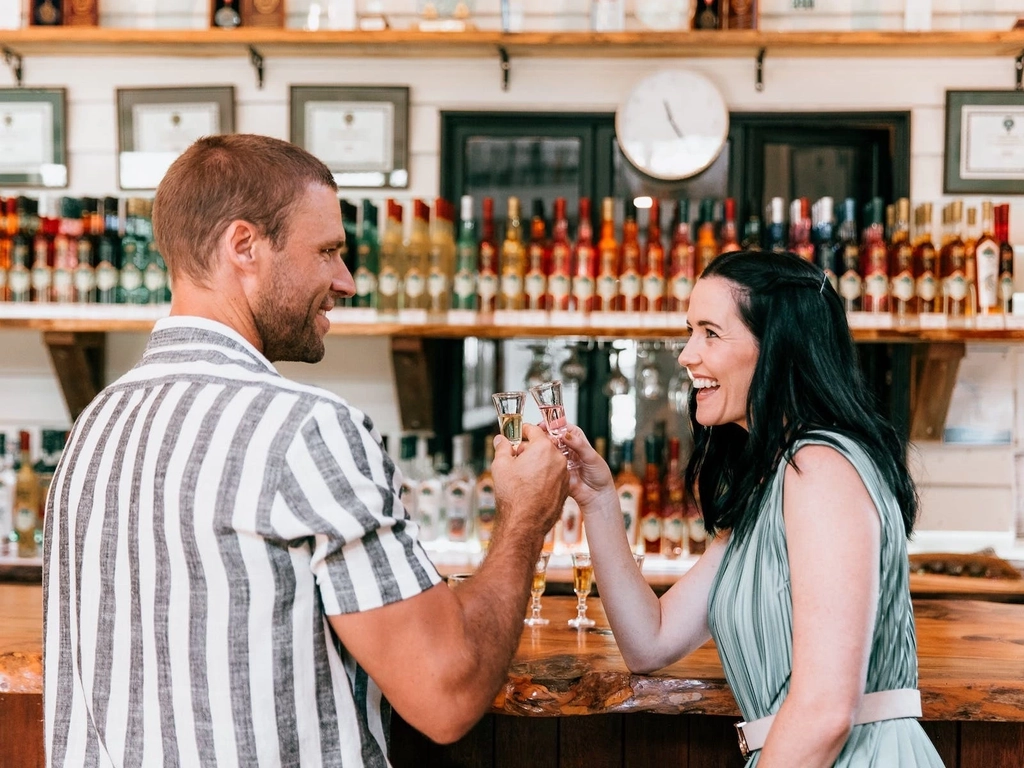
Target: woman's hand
x: 592, y: 479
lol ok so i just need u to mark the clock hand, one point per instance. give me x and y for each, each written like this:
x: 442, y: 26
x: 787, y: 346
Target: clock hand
x: 671, y: 120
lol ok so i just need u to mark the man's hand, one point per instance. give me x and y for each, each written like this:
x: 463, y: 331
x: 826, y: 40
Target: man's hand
x: 530, y: 486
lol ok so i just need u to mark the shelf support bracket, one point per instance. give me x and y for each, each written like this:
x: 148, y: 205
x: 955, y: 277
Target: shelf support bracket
x: 934, y: 373
x: 1019, y: 66
x: 257, y: 62
x: 78, y: 359
x: 13, y: 60
x: 506, y: 67
x: 413, y: 379
x: 759, y: 71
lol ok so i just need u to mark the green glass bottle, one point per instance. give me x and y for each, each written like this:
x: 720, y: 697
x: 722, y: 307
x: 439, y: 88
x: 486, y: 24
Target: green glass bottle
x: 367, y: 259
x: 464, y: 284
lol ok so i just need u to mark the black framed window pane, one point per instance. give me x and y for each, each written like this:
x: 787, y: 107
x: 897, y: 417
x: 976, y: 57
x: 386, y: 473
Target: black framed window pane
x: 813, y: 172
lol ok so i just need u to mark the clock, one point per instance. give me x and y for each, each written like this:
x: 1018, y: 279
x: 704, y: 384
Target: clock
x: 673, y: 124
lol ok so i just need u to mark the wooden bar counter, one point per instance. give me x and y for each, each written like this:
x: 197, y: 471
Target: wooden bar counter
x: 971, y: 659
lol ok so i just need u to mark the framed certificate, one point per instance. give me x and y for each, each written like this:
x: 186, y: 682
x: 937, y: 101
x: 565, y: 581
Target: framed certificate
x: 33, y: 143
x: 155, y: 125
x: 984, y: 142
x: 360, y: 133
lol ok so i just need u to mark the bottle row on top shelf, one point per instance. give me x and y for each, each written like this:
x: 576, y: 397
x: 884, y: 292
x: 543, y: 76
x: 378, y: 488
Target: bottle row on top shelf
x: 886, y: 266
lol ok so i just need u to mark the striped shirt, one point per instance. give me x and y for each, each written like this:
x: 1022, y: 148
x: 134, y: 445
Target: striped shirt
x: 206, y: 518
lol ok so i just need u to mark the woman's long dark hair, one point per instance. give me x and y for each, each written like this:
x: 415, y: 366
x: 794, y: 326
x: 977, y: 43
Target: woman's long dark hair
x: 806, y: 379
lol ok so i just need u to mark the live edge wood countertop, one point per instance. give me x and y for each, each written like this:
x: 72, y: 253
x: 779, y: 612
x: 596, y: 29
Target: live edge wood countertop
x: 971, y: 661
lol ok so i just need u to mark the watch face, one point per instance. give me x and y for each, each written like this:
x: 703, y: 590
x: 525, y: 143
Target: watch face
x: 673, y: 124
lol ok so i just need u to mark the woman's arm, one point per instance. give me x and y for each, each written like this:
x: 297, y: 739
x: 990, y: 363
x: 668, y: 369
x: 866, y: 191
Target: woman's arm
x: 833, y: 537
x: 649, y: 632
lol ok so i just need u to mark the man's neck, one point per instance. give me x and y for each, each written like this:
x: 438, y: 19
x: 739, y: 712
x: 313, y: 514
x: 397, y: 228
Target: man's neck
x: 197, y: 301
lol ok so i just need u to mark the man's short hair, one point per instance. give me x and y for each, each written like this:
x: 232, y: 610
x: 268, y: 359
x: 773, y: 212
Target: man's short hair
x: 220, y: 179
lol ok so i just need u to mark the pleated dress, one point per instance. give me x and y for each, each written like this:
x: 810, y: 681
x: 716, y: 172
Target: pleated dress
x: 750, y: 614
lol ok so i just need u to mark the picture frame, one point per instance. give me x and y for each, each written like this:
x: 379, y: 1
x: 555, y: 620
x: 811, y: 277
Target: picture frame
x: 360, y: 132
x: 155, y: 125
x: 984, y: 144
x: 33, y: 137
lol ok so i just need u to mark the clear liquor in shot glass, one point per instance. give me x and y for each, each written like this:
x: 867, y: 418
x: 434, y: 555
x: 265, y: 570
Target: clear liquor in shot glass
x: 549, y: 400
x: 509, y: 406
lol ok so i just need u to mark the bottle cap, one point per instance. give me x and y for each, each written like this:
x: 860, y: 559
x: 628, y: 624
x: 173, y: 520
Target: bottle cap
x: 850, y: 210
x: 777, y: 210
x: 466, y: 208
x: 730, y: 209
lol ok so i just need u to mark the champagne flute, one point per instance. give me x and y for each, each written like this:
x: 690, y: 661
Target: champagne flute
x: 582, y: 580
x: 509, y: 406
x: 549, y: 400
x: 540, y: 570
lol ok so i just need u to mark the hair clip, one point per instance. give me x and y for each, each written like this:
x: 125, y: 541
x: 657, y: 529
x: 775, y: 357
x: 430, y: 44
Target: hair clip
x: 824, y: 277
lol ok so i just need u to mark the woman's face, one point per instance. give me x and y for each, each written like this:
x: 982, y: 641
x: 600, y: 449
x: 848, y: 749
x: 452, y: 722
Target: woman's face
x: 720, y: 355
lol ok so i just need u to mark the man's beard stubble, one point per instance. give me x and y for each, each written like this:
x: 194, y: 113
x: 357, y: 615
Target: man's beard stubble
x: 287, y: 338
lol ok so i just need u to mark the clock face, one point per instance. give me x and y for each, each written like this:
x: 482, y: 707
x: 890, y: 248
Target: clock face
x: 673, y: 124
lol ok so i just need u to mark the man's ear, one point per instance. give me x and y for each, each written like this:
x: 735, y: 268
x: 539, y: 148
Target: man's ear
x: 240, y: 244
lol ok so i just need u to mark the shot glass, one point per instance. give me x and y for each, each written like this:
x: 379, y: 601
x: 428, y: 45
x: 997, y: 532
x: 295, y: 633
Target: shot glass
x: 540, y: 570
x: 549, y: 400
x: 509, y: 406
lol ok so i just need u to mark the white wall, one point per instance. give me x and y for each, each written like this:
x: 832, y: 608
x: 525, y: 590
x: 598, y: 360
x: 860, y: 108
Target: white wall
x: 962, y: 489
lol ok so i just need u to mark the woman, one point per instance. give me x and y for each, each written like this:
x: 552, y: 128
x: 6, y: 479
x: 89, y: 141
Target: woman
x: 805, y: 584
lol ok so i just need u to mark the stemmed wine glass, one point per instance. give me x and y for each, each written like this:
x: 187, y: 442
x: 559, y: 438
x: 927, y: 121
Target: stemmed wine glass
x: 540, y: 570
x: 582, y: 579
x: 549, y: 400
x: 509, y: 406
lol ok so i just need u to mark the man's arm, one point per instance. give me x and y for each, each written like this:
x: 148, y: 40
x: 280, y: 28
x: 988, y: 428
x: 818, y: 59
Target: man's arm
x: 441, y: 656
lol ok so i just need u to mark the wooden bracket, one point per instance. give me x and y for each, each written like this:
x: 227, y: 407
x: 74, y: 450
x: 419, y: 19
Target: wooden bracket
x: 79, y: 360
x: 934, y: 375
x: 257, y: 63
x: 413, y: 382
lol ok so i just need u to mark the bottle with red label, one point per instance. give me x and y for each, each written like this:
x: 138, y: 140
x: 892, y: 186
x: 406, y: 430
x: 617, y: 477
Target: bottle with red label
x: 652, y: 295
x: 560, y: 277
x: 682, y: 261
x: 487, y: 279
x: 874, y: 258
x: 630, y: 278
x: 651, y: 509
x: 584, y: 259
x: 535, y: 285
x: 730, y: 234
x: 607, y: 287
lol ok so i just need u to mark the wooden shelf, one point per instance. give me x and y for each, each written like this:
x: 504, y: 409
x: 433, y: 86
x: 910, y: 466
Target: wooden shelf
x: 95, y: 318
x: 100, y: 41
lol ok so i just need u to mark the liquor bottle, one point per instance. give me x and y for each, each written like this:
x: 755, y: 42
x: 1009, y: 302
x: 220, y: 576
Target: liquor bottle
x: 651, y: 507
x: 7, y: 483
x: 7, y: 244
x: 673, y: 523
x: 706, y: 15
x: 108, y: 253
x: 874, y: 258
x: 953, y: 257
x: 417, y: 259
x: 1002, y: 231
x: 986, y: 256
x: 52, y: 446
x: 584, y: 259
x: 86, y: 247
x: 367, y: 259
x: 407, y: 465
x: 350, y: 223
x: 442, y: 258
x: 696, y: 534
x: 154, y: 270
x: 134, y: 252
x: 487, y: 279
x: 65, y: 250
x: 903, y: 286
x: 458, y: 492
x: 81, y: 13
x: 971, y: 236
x: 43, y: 250
x: 429, y: 492
x: 851, y: 281
x: 827, y: 255
x: 19, y: 276
x: 707, y: 242
x: 26, y: 502
x: 682, y: 272
x: 730, y: 238
x: 630, y: 282
x: 929, y: 297
x: 225, y: 14
x: 535, y: 285
x: 752, y: 234
x: 560, y: 279
x: 630, y: 491
x: 484, y: 499
x: 464, y: 282
x: 652, y: 298
x: 739, y: 14
x: 513, y: 259
x: 608, y: 260
x: 392, y: 259
x: 800, y: 229
x: 47, y: 13
x: 775, y: 236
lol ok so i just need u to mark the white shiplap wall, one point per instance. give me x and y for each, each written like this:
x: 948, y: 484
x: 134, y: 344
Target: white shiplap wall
x: 962, y: 489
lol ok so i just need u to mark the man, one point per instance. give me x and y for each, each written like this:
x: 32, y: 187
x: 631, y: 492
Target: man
x: 230, y: 576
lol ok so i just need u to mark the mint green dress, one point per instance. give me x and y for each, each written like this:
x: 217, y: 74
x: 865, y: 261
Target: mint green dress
x: 750, y: 614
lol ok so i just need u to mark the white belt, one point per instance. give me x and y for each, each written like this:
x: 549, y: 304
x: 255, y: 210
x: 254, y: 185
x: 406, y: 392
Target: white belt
x: 882, y: 705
